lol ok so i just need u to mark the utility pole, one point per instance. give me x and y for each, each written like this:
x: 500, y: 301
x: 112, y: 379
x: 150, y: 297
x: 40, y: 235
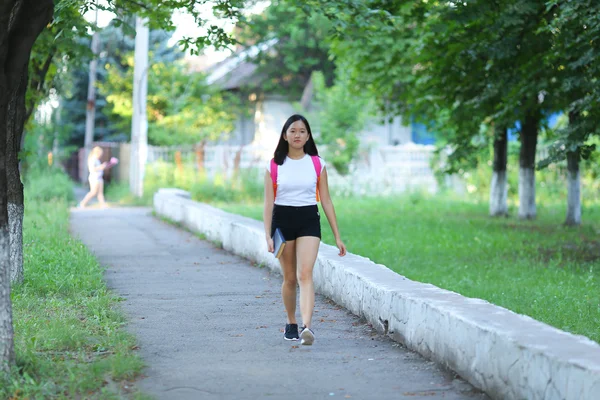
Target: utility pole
x: 139, y: 122
x: 90, y: 115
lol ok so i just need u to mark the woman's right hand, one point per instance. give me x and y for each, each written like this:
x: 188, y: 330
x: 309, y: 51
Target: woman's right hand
x: 270, y: 245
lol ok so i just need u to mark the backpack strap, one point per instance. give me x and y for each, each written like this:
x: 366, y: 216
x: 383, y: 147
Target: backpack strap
x: 317, y: 164
x: 274, y: 176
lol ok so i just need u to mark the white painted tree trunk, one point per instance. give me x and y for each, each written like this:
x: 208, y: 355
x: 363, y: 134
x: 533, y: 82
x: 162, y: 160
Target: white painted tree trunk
x: 574, y: 191
x: 499, y: 186
x: 15, y: 226
x: 139, y: 120
x: 499, y: 194
x: 527, y: 209
x: 528, y: 137
x: 6, y: 327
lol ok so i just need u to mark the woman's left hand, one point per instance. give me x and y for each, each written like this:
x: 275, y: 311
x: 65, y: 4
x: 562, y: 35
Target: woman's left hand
x: 341, y: 246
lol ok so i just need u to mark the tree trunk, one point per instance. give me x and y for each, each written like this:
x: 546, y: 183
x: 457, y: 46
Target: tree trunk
x: 573, y: 182
x: 574, y: 189
x: 499, y: 186
x: 6, y: 328
x: 14, y: 130
x: 200, y: 151
x: 7, y: 355
x: 21, y: 22
x: 31, y: 18
x: 529, y: 134
x: 90, y: 114
x: 139, y: 119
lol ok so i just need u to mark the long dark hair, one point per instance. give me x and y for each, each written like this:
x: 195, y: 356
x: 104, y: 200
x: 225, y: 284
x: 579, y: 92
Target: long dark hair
x: 310, y: 147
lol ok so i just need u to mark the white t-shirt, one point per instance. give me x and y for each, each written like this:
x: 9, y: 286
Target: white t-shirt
x: 296, y: 182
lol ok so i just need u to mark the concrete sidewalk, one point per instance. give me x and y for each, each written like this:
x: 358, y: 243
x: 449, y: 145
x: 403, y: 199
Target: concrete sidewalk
x: 209, y: 324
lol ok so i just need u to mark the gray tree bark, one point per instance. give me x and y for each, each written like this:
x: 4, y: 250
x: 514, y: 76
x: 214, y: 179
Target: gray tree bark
x: 16, y: 204
x: 7, y: 356
x: 6, y: 327
x: 529, y: 134
x: 15, y: 234
x: 499, y: 185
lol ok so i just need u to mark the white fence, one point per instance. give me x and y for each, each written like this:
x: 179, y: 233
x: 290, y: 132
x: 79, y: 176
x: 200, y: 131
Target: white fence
x: 381, y: 170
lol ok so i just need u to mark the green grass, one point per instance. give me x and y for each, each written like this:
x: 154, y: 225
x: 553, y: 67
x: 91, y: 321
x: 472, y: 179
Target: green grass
x: 70, y: 340
x: 120, y: 194
x: 538, y: 268
x: 242, y: 188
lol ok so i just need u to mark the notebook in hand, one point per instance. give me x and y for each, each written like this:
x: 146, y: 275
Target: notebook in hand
x: 278, y: 243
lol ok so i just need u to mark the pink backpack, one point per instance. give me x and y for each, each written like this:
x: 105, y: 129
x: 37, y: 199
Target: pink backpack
x: 317, y: 164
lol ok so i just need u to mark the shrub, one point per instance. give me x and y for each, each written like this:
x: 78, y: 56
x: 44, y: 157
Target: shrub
x: 49, y: 183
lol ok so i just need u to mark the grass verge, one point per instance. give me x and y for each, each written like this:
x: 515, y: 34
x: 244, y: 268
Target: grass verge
x: 120, y: 194
x: 538, y: 268
x: 69, y: 336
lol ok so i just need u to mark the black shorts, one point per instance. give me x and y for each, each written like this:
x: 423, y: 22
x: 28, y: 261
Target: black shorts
x: 295, y: 222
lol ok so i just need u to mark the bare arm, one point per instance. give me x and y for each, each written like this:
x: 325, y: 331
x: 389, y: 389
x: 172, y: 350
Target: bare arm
x: 327, y: 204
x: 268, y: 210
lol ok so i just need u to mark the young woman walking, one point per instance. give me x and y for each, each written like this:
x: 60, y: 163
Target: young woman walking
x: 295, y: 180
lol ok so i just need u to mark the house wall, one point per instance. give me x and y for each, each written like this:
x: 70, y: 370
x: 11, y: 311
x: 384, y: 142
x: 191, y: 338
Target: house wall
x: 243, y: 133
x: 386, y: 133
x: 271, y: 113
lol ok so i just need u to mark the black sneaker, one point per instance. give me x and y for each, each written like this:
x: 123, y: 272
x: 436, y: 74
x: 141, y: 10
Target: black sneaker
x: 291, y: 332
x: 308, y: 336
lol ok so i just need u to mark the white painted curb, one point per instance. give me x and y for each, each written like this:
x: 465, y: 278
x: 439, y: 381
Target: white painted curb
x: 507, y: 355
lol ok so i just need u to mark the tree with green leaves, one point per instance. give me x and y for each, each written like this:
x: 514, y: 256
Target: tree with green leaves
x: 290, y: 46
x: 116, y: 45
x: 573, y: 59
x: 21, y: 23
x: 182, y: 108
x: 497, y: 48
x: 339, y: 116
x: 455, y: 66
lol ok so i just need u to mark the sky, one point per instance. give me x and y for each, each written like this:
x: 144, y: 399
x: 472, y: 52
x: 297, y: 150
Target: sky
x: 186, y: 26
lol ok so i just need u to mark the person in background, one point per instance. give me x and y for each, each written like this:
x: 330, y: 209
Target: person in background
x: 95, y: 178
x: 295, y: 180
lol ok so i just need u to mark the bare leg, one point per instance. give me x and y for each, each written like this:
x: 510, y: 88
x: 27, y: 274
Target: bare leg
x: 288, y: 288
x: 90, y: 195
x: 307, y: 248
x: 101, y: 194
